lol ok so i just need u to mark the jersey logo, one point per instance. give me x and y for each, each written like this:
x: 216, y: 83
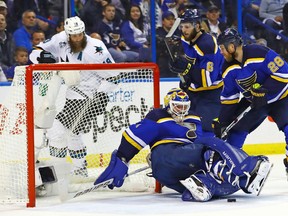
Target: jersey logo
x: 62, y: 44
x: 98, y: 50
x: 246, y: 83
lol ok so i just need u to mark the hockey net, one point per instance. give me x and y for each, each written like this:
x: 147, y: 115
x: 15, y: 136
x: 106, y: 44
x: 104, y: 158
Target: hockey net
x: 131, y: 90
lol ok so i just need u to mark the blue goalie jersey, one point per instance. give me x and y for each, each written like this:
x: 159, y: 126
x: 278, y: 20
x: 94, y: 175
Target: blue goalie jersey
x: 158, y: 128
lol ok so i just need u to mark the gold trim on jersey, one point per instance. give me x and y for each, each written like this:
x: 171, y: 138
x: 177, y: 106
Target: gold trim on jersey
x: 198, y: 50
x: 204, y: 78
x: 280, y: 79
x: 131, y: 141
x: 161, y: 142
x: 253, y: 60
x: 230, y: 68
x: 216, y: 46
x: 234, y: 101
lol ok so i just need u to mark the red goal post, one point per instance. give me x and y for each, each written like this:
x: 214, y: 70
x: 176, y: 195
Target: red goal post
x: 149, y: 72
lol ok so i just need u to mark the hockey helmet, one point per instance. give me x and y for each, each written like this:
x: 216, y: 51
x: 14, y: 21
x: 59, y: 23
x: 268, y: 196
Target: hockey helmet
x: 230, y: 35
x: 177, y: 102
x: 190, y: 15
x: 74, y: 25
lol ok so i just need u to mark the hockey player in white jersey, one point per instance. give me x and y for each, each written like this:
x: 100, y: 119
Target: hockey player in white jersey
x: 85, y: 90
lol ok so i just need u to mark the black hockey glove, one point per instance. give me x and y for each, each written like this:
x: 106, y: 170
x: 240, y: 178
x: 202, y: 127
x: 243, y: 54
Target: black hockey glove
x: 182, y: 67
x: 219, y: 128
x: 258, y: 96
x: 46, y: 57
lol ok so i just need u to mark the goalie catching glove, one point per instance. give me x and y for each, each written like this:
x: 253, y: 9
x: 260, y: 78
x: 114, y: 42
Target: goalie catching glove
x: 258, y: 96
x: 46, y: 57
x: 116, y: 170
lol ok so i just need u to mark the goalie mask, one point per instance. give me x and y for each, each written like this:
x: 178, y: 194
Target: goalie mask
x: 74, y: 25
x: 177, y: 103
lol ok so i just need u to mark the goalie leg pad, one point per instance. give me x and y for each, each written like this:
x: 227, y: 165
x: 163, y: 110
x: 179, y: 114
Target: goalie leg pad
x: 232, y: 156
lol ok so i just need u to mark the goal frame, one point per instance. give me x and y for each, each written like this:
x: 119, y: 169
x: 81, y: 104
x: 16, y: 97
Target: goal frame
x: 30, y: 110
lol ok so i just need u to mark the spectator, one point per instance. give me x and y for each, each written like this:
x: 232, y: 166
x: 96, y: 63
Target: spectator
x: 145, y: 8
x: 213, y: 24
x: 134, y: 33
x: 6, y: 45
x: 168, y: 19
x: 37, y: 37
x: 92, y: 13
x: 122, y: 6
x: 272, y: 13
x: 60, y: 26
x: 9, y: 19
x: 109, y: 30
x: 252, y: 7
x: 96, y: 35
x: 23, y: 35
x: 3, y: 8
x: 40, y: 8
x: 21, y: 58
x: 176, y: 6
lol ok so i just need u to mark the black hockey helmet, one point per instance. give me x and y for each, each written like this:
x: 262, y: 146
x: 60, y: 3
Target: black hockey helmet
x: 190, y: 15
x: 230, y: 35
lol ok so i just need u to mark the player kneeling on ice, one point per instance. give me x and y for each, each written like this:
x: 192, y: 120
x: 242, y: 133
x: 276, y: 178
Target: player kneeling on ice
x: 182, y: 159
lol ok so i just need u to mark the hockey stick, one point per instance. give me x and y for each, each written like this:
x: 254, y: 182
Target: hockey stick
x: 168, y: 38
x: 234, y: 122
x: 170, y: 34
x: 64, y: 196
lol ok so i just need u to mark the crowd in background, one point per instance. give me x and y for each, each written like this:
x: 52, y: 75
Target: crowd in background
x: 124, y: 26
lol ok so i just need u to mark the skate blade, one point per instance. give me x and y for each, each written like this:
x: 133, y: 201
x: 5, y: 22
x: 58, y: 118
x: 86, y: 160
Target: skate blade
x: 264, y: 180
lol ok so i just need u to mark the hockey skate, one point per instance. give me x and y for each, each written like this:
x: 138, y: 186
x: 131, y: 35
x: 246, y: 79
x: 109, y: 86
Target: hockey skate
x: 258, y: 177
x: 197, y: 189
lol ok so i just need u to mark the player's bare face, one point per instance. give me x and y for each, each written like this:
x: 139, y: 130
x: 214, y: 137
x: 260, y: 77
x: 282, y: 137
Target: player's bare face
x: 227, y: 56
x: 135, y: 13
x: 187, y: 31
x: 77, y: 42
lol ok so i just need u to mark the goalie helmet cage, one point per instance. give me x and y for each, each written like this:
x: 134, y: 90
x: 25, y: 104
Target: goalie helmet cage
x: 27, y: 110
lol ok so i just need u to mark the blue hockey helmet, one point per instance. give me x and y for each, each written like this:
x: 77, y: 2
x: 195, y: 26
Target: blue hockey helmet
x: 190, y: 15
x: 230, y: 35
x: 177, y: 102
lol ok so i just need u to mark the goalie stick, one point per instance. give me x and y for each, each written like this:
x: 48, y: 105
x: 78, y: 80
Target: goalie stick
x: 64, y: 196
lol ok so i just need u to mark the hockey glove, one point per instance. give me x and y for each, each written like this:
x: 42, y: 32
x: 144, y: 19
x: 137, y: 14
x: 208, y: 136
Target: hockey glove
x: 46, y: 57
x: 180, y: 66
x: 218, y: 128
x: 117, y: 169
x: 258, y: 96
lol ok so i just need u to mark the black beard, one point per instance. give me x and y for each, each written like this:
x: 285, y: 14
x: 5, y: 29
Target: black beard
x: 75, y: 49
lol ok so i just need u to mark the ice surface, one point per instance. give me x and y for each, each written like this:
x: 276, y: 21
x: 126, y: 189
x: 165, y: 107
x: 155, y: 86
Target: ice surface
x: 272, y: 200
